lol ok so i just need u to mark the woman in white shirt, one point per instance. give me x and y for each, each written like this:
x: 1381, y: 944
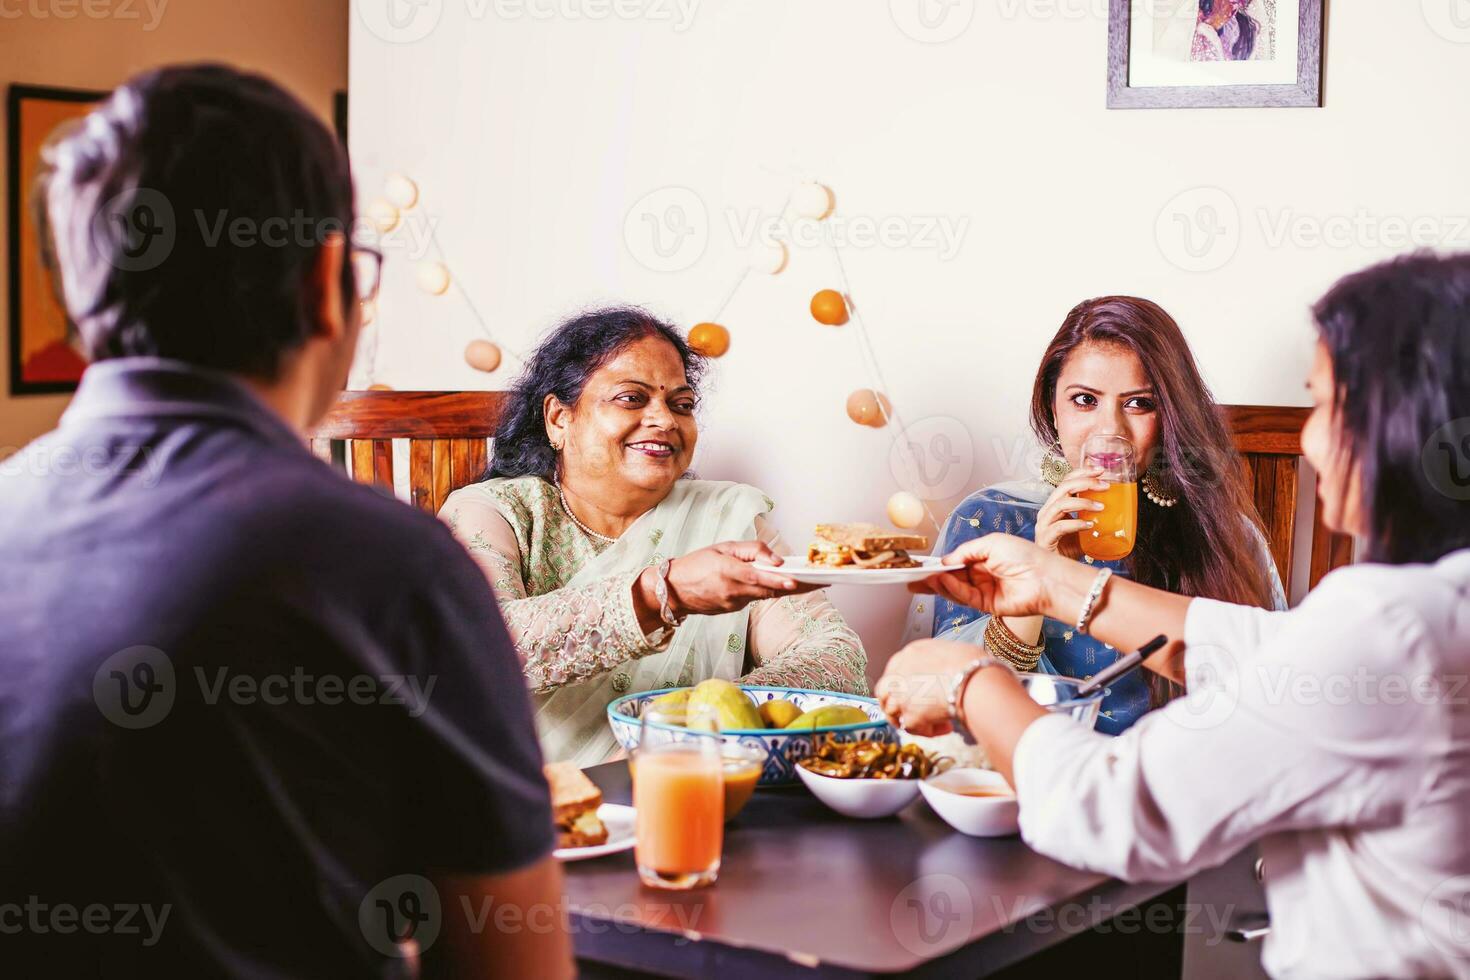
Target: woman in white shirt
x: 1336, y: 734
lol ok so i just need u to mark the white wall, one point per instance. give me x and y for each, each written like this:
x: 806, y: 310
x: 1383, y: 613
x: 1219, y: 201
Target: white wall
x: 100, y: 44
x: 534, y: 138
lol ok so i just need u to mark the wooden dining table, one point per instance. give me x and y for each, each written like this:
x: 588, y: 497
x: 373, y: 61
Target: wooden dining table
x: 806, y: 892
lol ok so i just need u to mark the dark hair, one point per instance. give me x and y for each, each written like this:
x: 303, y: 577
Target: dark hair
x: 560, y: 366
x: 1199, y: 547
x: 1398, y: 335
x: 141, y: 201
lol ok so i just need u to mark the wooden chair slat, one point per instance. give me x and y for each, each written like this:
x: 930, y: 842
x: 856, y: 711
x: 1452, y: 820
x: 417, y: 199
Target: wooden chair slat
x: 440, y: 484
x: 362, y: 460
x: 467, y: 461
x: 1329, y: 550
x: 421, y: 474
x: 1276, y: 481
x: 383, y: 463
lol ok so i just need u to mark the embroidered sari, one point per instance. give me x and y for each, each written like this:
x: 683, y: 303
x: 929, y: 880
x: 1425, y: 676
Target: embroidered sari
x: 567, y: 600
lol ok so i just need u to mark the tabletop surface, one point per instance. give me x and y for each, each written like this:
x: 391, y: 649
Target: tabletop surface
x: 811, y: 887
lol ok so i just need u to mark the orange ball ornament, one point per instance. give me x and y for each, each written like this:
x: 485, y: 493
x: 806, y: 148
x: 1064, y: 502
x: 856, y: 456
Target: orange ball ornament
x: 868, y: 407
x: 482, y: 355
x: 709, y: 339
x: 830, y: 308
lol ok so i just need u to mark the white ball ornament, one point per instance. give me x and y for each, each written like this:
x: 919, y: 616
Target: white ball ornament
x: 769, y: 258
x: 812, y: 200
x: 433, y: 278
x: 401, y: 191
x: 383, y: 215
x: 905, y: 510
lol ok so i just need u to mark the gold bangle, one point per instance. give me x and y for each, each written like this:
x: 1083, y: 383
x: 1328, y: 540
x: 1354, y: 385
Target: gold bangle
x: 1006, y: 645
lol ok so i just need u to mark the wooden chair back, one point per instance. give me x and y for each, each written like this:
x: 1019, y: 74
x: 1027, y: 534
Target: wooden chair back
x: 447, y: 433
x: 1269, y: 440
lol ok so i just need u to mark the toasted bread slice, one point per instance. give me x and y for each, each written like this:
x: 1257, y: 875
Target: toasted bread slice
x: 870, y: 538
x: 584, y: 831
x: 572, y: 793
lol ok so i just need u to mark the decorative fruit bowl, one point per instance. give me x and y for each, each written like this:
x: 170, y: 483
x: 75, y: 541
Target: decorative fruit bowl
x: 783, y: 747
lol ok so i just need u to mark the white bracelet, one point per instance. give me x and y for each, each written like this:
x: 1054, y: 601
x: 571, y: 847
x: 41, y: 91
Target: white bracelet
x: 1093, y: 594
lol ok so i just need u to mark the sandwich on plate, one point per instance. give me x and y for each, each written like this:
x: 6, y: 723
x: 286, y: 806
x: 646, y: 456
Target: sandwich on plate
x: 863, y: 546
x: 574, y: 803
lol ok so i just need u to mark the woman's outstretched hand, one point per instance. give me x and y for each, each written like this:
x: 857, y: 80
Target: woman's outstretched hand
x: 1003, y: 575
x: 719, y: 579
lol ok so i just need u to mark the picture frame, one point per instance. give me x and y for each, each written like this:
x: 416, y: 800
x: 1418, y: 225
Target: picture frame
x: 1189, y: 63
x: 40, y: 357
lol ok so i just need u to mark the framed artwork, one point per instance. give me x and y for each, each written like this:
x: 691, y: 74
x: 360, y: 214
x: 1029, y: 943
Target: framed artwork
x: 42, y: 358
x: 1184, y: 54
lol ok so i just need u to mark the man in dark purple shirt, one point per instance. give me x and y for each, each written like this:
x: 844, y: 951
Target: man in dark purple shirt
x: 254, y: 719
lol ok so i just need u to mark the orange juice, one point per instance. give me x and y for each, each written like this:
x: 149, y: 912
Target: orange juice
x: 741, y: 775
x: 1117, y: 523
x: 679, y: 796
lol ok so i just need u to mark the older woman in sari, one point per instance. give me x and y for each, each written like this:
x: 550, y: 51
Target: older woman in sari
x: 616, y: 574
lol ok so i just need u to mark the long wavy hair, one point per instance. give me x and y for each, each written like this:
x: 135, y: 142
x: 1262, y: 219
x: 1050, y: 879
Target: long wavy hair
x: 1207, y: 544
x: 560, y: 366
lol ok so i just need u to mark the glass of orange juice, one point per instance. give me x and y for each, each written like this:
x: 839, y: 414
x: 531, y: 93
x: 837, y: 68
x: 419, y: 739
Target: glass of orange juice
x: 679, y: 796
x: 1116, y: 527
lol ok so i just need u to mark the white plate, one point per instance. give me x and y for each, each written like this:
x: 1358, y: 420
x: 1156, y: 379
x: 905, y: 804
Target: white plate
x: 620, y: 834
x: 797, y: 567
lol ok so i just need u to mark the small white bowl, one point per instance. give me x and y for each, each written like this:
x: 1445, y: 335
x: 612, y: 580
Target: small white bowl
x: 862, y: 798
x: 978, y: 816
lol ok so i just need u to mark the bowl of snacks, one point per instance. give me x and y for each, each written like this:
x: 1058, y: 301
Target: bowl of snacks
x: 978, y: 802
x: 783, y: 724
x: 866, y: 779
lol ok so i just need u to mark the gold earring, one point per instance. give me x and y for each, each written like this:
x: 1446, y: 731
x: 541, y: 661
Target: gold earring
x: 1054, y: 466
x: 1153, y: 485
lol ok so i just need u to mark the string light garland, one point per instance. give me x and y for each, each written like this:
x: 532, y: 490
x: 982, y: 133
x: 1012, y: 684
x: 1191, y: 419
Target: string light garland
x: 434, y: 277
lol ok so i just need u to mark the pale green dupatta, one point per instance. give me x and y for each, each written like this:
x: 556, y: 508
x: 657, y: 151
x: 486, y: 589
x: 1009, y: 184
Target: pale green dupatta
x: 572, y: 720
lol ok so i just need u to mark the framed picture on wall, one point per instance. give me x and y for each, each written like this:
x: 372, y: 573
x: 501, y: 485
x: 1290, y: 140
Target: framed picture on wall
x: 1184, y: 54
x: 41, y: 356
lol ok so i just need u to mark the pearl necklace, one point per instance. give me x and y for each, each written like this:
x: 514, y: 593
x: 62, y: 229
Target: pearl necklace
x: 561, y: 494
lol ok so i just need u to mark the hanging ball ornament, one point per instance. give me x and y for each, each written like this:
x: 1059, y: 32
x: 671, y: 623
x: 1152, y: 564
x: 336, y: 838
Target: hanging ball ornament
x: 868, y: 407
x: 905, y: 510
x: 433, y: 278
x: 709, y: 339
x: 813, y: 200
x: 482, y: 355
x: 829, y: 307
x: 769, y: 258
x: 383, y: 215
x: 401, y: 191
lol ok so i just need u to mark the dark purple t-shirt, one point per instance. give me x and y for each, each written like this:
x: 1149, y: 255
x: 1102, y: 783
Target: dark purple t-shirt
x: 248, y: 709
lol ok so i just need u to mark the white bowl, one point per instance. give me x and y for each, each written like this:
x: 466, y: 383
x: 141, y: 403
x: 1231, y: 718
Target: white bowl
x: 978, y: 816
x: 862, y: 798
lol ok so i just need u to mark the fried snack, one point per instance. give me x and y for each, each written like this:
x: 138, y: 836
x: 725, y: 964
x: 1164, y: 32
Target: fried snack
x: 574, y: 802
x: 864, y: 546
x: 871, y: 760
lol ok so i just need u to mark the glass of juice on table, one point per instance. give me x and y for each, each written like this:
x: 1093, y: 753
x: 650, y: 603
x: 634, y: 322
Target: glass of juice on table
x: 1112, y: 536
x: 679, y: 795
